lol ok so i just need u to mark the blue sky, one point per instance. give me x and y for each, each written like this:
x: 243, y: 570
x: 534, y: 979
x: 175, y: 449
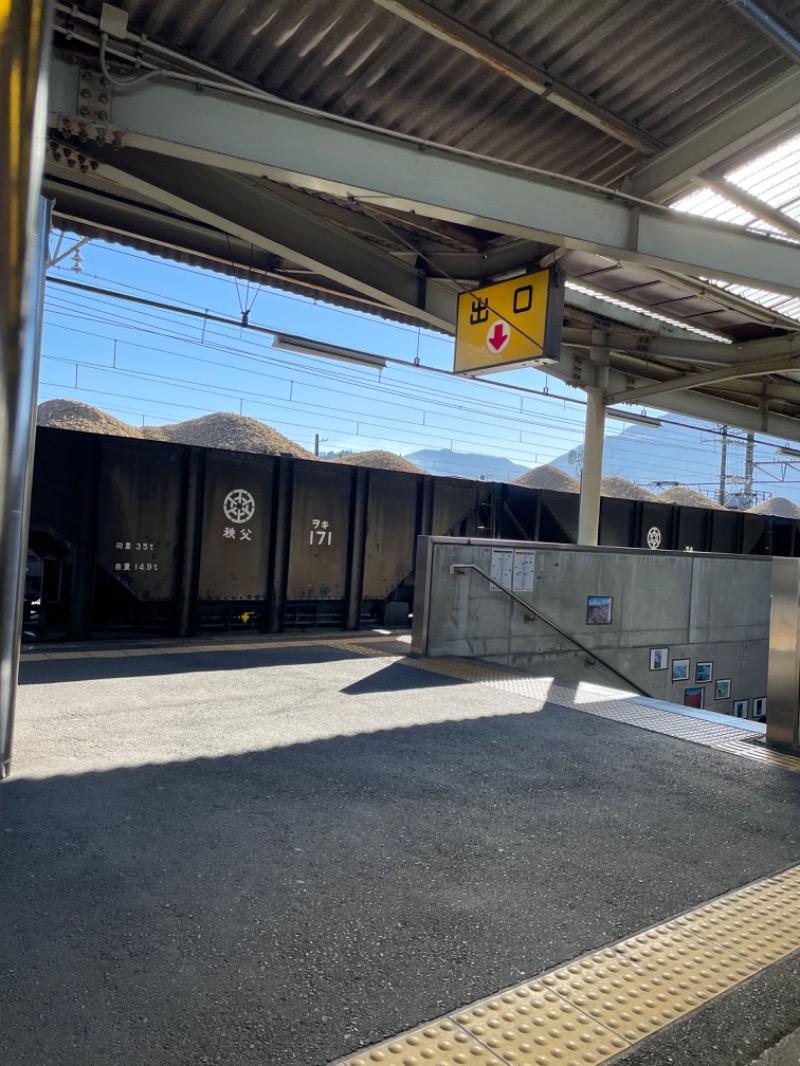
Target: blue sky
x: 149, y: 366
x: 152, y: 366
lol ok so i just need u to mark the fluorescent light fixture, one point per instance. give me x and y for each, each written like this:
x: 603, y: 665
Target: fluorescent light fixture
x: 306, y: 346
x: 642, y: 420
x: 789, y: 451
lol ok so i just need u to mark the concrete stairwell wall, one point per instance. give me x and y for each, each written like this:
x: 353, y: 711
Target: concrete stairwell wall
x: 686, y: 606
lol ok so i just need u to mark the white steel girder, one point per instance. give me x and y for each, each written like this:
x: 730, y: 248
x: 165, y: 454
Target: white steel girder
x: 324, y: 154
x: 579, y: 371
x: 232, y: 204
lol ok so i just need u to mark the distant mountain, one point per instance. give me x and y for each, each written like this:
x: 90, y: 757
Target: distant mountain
x: 654, y: 457
x: 659, y: 457
x: 448, y: 463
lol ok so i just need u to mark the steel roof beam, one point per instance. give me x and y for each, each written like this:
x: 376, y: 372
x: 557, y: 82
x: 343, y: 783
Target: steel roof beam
x: 576, y: 370
x: 234, y: 205
x: 754, y: 204
x: 767, y: 111
x: 772, y: 28
x: 431, y: 20
x: 711, y: 377
x: 323, y: 154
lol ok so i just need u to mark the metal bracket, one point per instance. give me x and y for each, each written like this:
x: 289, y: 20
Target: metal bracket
x: 632, y: 236
x: 95, y: 96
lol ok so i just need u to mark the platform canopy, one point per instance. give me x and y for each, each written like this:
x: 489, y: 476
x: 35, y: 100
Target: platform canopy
x: 389, y: 154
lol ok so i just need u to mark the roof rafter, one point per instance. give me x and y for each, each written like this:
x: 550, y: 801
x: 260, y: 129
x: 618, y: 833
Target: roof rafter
x: 265, y: 219
x: 710, y: 377
x: 431, y: 20
x: 323, y: 154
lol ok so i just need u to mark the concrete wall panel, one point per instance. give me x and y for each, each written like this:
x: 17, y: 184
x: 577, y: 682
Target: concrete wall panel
x: 704, y: 608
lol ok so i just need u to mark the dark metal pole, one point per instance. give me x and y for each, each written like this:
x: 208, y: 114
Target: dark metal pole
x: 723, y: 469
x: 748, y: 470
x: 24, y: 225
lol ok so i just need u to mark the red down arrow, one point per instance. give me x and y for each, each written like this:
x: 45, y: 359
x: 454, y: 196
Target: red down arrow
x: 498, y: 337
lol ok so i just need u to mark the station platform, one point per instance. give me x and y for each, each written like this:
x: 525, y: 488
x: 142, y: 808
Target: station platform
x: 319, y: 849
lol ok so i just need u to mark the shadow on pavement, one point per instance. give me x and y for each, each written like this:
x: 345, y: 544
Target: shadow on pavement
x: 160, y: 663
x: 290, y: 905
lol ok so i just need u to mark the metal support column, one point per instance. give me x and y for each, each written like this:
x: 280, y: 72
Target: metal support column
x: 591, y: 475
x: 783, y: 684
x: 24, y: 225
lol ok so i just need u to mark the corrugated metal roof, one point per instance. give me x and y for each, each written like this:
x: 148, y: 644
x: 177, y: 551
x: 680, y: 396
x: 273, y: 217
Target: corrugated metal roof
x: 666, y: 67
x: 774, y: 178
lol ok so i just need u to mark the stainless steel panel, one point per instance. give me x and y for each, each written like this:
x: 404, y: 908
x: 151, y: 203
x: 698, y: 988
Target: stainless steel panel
x: 783, y: 687
x: 422, y: 595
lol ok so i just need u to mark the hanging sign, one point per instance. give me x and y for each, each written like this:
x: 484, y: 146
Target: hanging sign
x: 511, y: 324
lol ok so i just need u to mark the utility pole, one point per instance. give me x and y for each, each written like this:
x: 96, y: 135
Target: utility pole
x: 316, y: 445
x: 723, y: 468
x: 748, y: 469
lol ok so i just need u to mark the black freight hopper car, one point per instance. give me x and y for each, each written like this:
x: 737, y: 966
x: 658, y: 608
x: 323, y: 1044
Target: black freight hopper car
x: 133, y: 536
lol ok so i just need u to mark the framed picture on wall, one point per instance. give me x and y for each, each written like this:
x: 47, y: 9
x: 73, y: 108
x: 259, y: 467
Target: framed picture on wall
x: 740, y: 708
x: 659, y: 657
x: 598, y: 610
x: 759, y: 706
x: 722, y: 689
x: 680, y: 669
x: 693, y: 697
x: 703, y: 673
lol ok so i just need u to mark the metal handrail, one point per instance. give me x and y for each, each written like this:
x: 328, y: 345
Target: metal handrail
x: 460, y: 568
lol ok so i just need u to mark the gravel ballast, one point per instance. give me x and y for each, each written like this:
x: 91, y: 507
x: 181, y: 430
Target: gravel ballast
x: 547, y: 477
x: 221, y: 430
x: 688, y: 498
x: 380, y: 460
x: 778, y: 506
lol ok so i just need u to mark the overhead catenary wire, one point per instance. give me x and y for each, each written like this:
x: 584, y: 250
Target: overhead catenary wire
x: 401, y: 361
x: 413, y: 388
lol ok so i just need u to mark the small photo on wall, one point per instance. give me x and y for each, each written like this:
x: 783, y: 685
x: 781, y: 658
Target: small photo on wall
x: 722, y: 689
x: 680, y: 669
x: 702, y: 673
x: 759, y: 706
x: 740, y: 708
x: 693, y: 697
x: 659, y: 657
x: 598, y: 610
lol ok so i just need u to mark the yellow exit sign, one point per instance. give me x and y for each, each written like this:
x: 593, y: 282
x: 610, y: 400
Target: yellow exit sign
x: 511, y: 324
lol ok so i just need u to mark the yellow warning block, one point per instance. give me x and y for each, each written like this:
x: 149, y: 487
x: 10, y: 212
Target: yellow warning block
x: 511, y: 324
x: 439, y: 1044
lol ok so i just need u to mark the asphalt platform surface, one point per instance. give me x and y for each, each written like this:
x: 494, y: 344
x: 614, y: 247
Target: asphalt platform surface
x: 278, y: 856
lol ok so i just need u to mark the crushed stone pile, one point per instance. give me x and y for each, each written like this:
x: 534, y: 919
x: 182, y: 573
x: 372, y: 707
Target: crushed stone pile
x: 379, y: 460
x: 225, y: 430
x: 622, y: 489
x: 688, y: 498
x: 547, y: 477
x: 778, y: 506
x: 83, y: 418
x: 221, y: 430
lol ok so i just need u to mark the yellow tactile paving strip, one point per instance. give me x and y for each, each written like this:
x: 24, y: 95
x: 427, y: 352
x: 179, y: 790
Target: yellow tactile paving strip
x: 591, y: 1010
